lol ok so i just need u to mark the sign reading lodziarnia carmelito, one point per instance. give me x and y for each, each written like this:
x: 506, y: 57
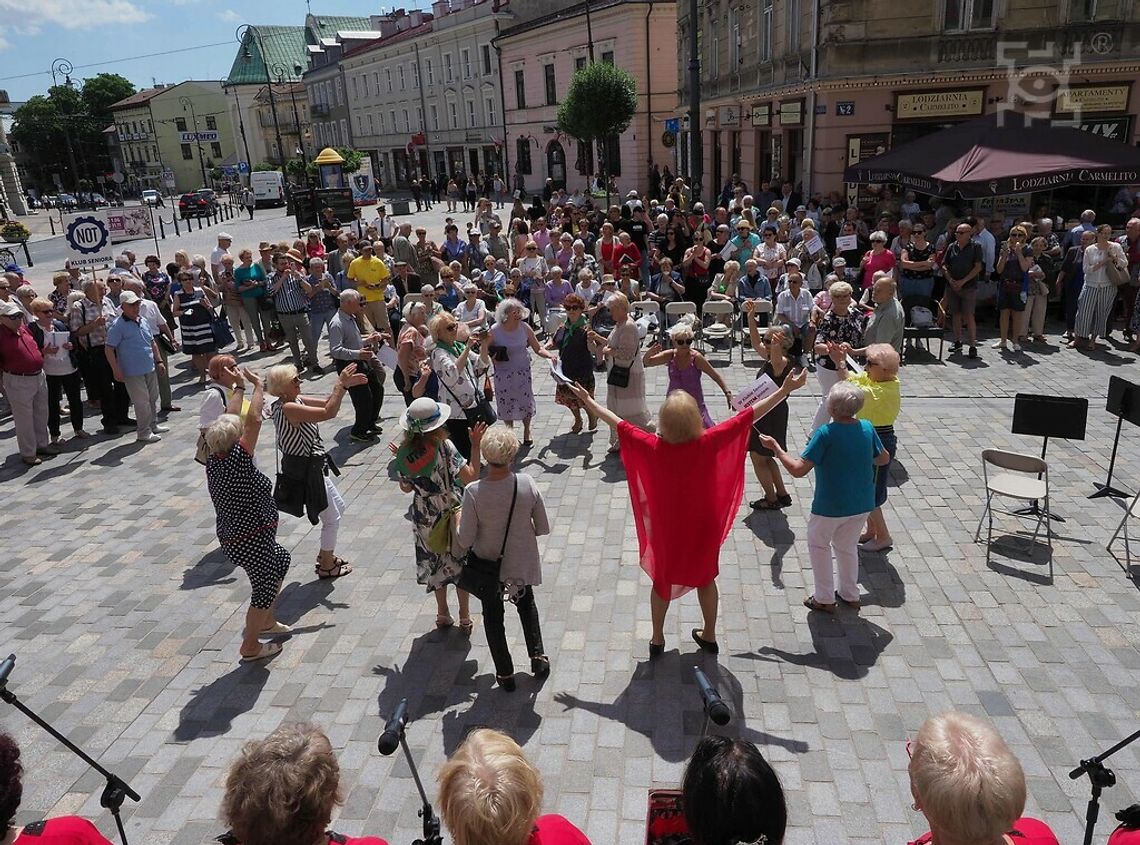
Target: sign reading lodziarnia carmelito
x: 967, y: 102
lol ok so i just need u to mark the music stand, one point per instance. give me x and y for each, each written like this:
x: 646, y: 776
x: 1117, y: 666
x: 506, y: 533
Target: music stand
x: 1123, y: 403
x: 1048, y: 416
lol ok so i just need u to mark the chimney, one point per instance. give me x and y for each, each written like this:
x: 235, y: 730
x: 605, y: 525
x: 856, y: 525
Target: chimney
x: 417, y: 18
x: 387, y: 25
x: 439, y: 8
x: 401, y: 20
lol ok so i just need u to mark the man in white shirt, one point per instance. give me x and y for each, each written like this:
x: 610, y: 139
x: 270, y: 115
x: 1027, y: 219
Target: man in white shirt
x: 223, y: 248
x: 985, y: 239
x: 385, y: 226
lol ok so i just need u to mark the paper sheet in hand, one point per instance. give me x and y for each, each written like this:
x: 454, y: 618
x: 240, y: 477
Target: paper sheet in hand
x: 557, y: 374
x: 846, y: 242
x: 762, y: 388
x: 57, y: 339
x: 814, y: 244
x: 727, y: 252
x: 387, y: 356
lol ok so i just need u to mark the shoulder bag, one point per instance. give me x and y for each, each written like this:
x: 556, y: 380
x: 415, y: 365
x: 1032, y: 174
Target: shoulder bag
x: 480, y: 411
x: 480, y: 576
x: 1116, y: 275
x: 441, y: 534
x: 619, y: 375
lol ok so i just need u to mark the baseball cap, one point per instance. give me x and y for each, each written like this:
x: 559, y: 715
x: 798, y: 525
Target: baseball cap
x: 10, y: 309
x: 792, y: 262
x: 129, y: 297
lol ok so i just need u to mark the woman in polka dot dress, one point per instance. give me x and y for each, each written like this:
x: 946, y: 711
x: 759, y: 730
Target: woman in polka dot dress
x: 247, y: 515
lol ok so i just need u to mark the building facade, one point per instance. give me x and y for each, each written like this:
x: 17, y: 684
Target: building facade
x: 288, y: 114
x: 171, y: 137
x: 539, y: 56
x: 426, y: 98
x: 799, y: 90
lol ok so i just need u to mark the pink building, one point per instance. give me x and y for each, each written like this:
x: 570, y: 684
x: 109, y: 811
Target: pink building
x: 541, y: 54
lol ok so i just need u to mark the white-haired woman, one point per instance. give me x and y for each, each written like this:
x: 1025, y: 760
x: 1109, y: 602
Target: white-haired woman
x: 773, y: 348
x: 413, y: 376
x: 1097, y: 297
x: 323, y: 300
x: 303, y: 458
x: 472, y: 311
x: 841, y: 324
x: 460, y: 361
x: 843, y: 454
x: 430, y: 466
x: 882, y: 401
x: 685, y: 367
x: 247, y: 515
x: 969, y: 785
x: 504, y: 514
x: 625, y: 388
x: 510, y: 338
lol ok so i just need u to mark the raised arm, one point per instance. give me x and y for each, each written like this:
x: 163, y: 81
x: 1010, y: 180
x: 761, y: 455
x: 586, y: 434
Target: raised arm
x: 655, y: 355
x: 251, y: 422
x: 297, y: 412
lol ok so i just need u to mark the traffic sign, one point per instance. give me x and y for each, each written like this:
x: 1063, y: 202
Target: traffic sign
x: 89, y: 239
x: 673, y: 125
x: 243, y: 167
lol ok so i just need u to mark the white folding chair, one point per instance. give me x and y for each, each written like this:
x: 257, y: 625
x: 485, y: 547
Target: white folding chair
x: 413, y: 297
x: 711, y: 326
x: 675, y: 310
x: 1132, y: 510
x: 645, y: 311
x: 1024, y: 478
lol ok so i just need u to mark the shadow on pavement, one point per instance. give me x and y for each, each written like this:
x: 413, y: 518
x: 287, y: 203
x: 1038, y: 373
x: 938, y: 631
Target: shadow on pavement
x: 212, y: 709
x: 214, y: 569
x: 843, y: 644
x: 771, y: 529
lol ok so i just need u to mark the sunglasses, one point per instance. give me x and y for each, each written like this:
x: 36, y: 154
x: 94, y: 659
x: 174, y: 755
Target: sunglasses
x: 531, y: 248
x: 573, y: 307
x: 685, y: 342
x: 450, y: 328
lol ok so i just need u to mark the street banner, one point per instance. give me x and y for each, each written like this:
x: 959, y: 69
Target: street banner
x: 130, y: 223
x: 88, y: 238
x: 363, y: 184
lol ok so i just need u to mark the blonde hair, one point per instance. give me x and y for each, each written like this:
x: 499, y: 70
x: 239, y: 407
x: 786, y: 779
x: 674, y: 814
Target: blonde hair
x: 40, y: 302
x: 439, y: 322
x: 839, y: 289
x: 489, y: 793
x: 679, y: 419
x: 62, y: 277
x: 281, y: 790
x: 966, y: 781
x: 620, y: 300
x: 500, y: 445
x: 223, y: 433
x: 279, y: 379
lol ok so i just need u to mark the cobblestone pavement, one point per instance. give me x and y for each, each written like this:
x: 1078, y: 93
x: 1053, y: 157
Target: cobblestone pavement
x: 126, y: 622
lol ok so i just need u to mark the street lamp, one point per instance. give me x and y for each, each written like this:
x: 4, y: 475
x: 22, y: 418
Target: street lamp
x: 241, y: 128
x: 279, y: 69
x: 64, y: 67
x: 250, y: 30
x: 187, y: 103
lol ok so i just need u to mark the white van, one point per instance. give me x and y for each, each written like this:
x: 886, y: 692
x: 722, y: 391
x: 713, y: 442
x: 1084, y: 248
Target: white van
x: 268, y: 187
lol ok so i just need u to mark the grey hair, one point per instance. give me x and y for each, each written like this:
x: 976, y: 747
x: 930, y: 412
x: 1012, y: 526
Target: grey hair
x: 786, y: 339
x: 844, y: 401
x: 412, y: 307
x: 506, y: 307
x: 878, y: 236
x: 840, y: 288
x: 500, y: 445
x: 349, y: 295
x: 123, y: 263
x: 223, y: 433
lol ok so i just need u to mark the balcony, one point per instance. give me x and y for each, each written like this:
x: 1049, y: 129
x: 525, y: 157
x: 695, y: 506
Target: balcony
x: 966, y: 49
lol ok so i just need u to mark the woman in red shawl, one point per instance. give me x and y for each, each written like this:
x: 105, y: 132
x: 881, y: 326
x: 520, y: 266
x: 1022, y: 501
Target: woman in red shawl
x: 679, y: 537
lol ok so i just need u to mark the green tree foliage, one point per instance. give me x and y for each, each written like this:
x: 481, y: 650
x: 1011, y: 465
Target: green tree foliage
x: 352, y: 160
x: 264, y: 166
x: 601, y: 102
x: 84, y: 112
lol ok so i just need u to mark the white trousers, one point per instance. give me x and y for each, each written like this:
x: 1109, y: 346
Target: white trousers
x: 330, y: 516
x: 827, y: 380
x: 841, y: 534
x: 1093, y: 307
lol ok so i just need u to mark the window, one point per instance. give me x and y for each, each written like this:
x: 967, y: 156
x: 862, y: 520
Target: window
x: 453, y: 115
x: 733, y: 40
x: 187, y: 153
x: 447, y: 71
x: 766, y: 30
x: 714, y: 58
x: 364, y: 84
x: 471, y: 121
x: 344, y: 131
x: 793, y: 8
x: 388, y: 78
x: 486, y: 51
x: 180, y: 124
x: 407, y: 123
x: 465, y: 62
x: 215, y: 150
x: 156, y: 158
x: 415, y: 75
x: 609, y: 151
x: 355, y: 89
x: 149, y: 126
x: 490, y: 104
x: 551, y: 88
x: 339, y: 92
x: 403, y: 82
x: 434, y: 116
x: 392, y: 120
x: 147, y: 151
x: 359, y: 123
x: 522, y: 156
x: 380, y: 121
x: 608, y: 57
x: 376, y: 81
x: 962, y: 15
x: 579, y: 63
x: 211, y: 123
x: 419, y: 119
x: 371, y: 125
x: 520, y: 91
x: 430, y: 72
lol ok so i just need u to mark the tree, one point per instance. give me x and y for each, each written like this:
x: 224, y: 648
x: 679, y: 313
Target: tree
x: 599, y: 106
x: 264, y: 166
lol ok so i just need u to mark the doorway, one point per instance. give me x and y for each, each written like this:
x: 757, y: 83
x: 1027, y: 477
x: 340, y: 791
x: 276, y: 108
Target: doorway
x: 556, y: 164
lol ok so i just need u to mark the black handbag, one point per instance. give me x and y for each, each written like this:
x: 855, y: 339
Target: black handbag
x: 480, y: 576
x: 289, y: 489
x: 481, y: 411
x: 618, y: 375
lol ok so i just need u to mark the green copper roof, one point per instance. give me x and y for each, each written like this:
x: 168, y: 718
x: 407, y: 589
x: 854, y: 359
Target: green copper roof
x: 330, y: 25
x: 284, y: 45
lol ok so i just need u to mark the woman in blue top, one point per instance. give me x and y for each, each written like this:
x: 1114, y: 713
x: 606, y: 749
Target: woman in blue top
x: 249, y: 282
x: 843, y: 453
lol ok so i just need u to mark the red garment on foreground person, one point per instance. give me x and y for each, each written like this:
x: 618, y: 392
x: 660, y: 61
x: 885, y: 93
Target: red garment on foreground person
x: 685, y: 497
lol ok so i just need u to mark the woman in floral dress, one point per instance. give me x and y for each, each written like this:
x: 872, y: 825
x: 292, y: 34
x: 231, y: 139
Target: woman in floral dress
x: 841, y: 325
x: 430, y: 466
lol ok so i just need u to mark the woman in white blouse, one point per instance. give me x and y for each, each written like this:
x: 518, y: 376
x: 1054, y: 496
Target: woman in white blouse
x: 471, y: 309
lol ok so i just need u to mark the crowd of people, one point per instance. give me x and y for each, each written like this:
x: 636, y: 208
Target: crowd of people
x: 284, y: 789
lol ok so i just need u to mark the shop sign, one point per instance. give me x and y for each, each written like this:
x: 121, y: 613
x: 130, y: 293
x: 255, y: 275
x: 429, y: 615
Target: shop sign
x: 762, y: 115
x: 1112, y: 128
x: 860, y: 148
x: 932, y: 104
x: 728, y: 116
x: 845, y: 108
x: 1012, y: 207
x: 1093, y: 98
x: 792, y: 114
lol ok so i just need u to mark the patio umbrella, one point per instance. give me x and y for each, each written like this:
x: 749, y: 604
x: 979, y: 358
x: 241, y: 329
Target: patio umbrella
x: 999, y: 154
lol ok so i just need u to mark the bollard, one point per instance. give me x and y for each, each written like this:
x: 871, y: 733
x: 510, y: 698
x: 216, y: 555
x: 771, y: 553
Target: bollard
x: 51, y: 220
x: 177, y: 233
x: 199, y: 223
x: 161, y: 230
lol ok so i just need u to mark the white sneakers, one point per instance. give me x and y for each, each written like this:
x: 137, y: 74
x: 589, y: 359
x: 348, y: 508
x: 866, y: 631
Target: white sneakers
x: 149, y: 437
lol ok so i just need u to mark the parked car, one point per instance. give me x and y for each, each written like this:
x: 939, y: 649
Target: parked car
x: 152, y: 197
x: 67, y: 201
x: 200, y: 203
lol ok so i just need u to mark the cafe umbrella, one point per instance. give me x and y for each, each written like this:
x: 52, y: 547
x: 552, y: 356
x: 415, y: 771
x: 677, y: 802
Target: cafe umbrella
x: 1000, y: 154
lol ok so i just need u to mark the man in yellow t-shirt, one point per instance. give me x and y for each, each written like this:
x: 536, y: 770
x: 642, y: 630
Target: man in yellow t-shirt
x: 370, y: 276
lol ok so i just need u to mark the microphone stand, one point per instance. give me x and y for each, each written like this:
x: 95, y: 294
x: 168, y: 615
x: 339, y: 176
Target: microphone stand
x: 1100, y: 777
x: 116, y: 790
x: 432, y: 834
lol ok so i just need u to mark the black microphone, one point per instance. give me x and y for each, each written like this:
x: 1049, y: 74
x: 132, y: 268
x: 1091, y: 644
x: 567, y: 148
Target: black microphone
x: 715, y: 708
x: 6, y: 669
x: 393, y: 729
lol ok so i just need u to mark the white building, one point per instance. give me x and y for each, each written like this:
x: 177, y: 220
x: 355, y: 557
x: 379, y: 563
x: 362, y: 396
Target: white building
x: 426, y: 98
